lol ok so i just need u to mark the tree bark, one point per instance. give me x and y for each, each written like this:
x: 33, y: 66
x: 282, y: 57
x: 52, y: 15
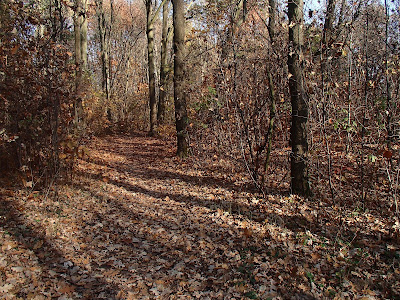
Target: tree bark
x: 328, y: 25
x: 164, y: 66
x: 389, y: 111
x: 151, y: 66
x: 84, y: 32
x: 105, y: 78
x: 327, y: 41
x: 271, y: 21
x: 181, y: 118
x: 271, y: 87
x: 78, y: 110
x: 298, y: 136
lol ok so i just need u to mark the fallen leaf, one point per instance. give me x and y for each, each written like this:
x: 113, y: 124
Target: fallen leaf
x: 38, y: 245
x: 6, y: 288
x: 66, y: 289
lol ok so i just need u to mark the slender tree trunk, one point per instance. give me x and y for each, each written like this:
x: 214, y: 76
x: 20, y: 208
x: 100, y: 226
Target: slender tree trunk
x: 77, y: 32
x: 78, y: 110
x: 164, y: 66
x: 389, y: 129
x: 84, y: 32
x: 271, y: 87
x: 325, y: 76
x: 271, y: 20
x: 328, y: 25
x: 109, y: 30
x: 54, y: 116
x: 349, y: 92
x: 151, y: 66
x: 272, y: 115
x: 105, y: 80
x: 181, y: 118
x: 299, y: 143
x: 365, y: 119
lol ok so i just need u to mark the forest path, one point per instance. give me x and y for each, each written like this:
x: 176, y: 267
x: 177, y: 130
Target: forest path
x: 136, y: 223
x: 173, y: 223
x: 139, y: 223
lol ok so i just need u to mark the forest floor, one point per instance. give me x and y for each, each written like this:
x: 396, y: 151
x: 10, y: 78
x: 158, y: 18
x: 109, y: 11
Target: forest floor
x: 138, y: 223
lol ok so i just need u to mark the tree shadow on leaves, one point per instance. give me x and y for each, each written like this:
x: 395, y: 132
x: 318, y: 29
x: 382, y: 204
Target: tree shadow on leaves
x: 164, y: 242
x: 59, y: 272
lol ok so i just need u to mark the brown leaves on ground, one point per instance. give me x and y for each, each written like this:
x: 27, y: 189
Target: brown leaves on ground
x: 138, y: 223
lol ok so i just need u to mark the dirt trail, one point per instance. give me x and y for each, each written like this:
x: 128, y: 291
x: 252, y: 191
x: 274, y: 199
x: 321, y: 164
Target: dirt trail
x: 138, y: 223
x: 169, y: 221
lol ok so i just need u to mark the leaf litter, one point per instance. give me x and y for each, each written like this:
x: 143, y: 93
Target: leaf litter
x: 139, y: 223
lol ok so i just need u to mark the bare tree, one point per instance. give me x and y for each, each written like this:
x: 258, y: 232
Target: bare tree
x: 299, y: 143
x: 272, y: 107
x: 163, y: 65
x: 102, y: 23
x: 327, y: 41
x: 181, y: 118
x: 84, y: 33
x: 78, y: 20
x: 151, y: 65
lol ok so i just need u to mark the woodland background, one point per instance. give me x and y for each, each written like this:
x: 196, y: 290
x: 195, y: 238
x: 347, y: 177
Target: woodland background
x: 73, y: 71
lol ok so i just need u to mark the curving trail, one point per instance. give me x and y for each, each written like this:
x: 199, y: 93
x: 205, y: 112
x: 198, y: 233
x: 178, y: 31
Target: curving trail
x: 138, y: 223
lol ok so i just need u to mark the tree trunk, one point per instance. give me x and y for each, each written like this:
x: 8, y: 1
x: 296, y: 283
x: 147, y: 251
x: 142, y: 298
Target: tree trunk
x: 181, y: 118
x: 299, y: 172
x: 327, y: 41
x: 272, y: 116
x: 389, y: 110
x: 151, y: 66
x: 78, y: 110
x: 111, y: 76
x: 271, y: 87
x: 105, y: 80
x: 164, y: 66
x: 328, y: 25
x: 271, y: 21
x: 84, y: 32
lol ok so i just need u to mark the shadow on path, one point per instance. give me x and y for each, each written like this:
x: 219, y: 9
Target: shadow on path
x: 58, y: 270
